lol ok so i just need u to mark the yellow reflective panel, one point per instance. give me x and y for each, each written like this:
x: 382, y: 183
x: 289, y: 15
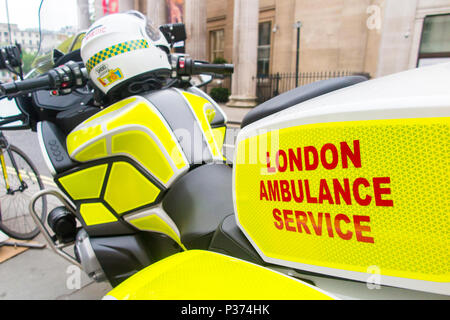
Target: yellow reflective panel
x: 96, y: 213
x: 128, y: 189
x: 219, y: 136
x: 210, y: 114
x: 154, y: 223
x: 142, y: 114
x: 197, y: 104
x: 350, y: 195
x: 94, y: 151
x: 86, y: 183
x: 111, y: 108
x: 78, y: 137
x: 205, y: 275
x: 141, y: 146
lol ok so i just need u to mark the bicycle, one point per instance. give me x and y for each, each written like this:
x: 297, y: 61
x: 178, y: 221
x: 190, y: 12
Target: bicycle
x: 20, y: 181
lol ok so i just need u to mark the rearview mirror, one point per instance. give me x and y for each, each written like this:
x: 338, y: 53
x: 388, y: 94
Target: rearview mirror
x: 174, y: 32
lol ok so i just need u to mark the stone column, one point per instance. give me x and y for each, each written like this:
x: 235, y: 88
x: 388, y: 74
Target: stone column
x: 195, y: 20
x: 84, y: 20
x: 245, y: 52
x: 156, y: 11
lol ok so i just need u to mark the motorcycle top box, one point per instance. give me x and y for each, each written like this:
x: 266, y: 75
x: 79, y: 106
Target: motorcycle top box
x: 354, y: 182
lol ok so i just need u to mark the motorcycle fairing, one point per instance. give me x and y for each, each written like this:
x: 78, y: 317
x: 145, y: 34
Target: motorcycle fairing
x: 145, y: 131
x: 368, y: 196
x: 204, y: 275
x: 107, y: 197
x: 131, y: 127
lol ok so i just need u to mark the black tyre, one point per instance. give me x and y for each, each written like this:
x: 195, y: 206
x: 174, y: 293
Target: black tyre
x: 15, y: 218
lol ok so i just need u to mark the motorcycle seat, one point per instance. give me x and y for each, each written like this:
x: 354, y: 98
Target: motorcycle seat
x: 298, y: 95
x: 205, y: 275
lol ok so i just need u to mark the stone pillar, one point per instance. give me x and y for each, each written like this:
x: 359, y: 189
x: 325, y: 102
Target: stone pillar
x: 245, y: 53
x: 84, y: 20
x: 156, y: 11
x: 195, y: 20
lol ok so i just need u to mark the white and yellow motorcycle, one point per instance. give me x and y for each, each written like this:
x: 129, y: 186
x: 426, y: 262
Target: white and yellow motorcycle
x: 338, y: 189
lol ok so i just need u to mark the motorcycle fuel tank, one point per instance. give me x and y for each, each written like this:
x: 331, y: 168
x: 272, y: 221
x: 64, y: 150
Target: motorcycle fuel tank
x: 131, y: 154
x: 354, y: 183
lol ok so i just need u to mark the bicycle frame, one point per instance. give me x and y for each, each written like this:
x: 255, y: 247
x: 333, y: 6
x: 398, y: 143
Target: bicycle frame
x: 4, y: 145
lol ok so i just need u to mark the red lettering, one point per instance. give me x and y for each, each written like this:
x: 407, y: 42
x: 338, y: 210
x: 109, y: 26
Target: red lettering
x: 378, y: 191
x: 317, y: 227
x: 359, y: 200
x: 284, y: 188
x: 274, y: 193
x: 309, y: 199
x: 276, y: 215
x: 329, y: 227
x: 355, y: 156
x: 294, y: 194
x: 262, y: 191
x: 269, y: 168
x: 342, y: 217
x: 324, y: 192
x: 359, y: 229
x: 295, y: 159
x: 287, y: 220
x: 301, y: 219
x: 334, y: 155
x: 343, y: 192
x: 315, y: 161
x: 281, y: 154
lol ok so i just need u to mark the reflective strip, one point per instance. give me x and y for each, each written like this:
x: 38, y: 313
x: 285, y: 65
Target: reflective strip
x: 114, y: 51
x: 85, y: 184
x: 96, y: 213
x: 199, y: 106
x: 128, y: 189
x: 156, y: 220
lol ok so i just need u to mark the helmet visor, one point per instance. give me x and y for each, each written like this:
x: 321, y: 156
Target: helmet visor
x: 152, y: 32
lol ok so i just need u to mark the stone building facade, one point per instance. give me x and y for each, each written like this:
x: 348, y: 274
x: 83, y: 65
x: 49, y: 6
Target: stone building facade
x: 378, y: 37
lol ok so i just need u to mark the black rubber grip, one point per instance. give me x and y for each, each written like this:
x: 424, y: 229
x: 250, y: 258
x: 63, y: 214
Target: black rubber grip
x: 199, y: 68
x: 24, y: 86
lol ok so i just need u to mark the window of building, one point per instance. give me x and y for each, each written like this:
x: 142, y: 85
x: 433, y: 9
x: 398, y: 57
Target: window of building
x: 264, y: 35
x: 216, y: 40
x: 435, y: 43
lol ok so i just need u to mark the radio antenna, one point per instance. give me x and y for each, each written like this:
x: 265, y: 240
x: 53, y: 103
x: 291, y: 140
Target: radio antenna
x: 9, y: 25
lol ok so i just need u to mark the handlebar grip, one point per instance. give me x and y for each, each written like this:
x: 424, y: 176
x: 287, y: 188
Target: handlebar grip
x: 63, y: 78
x: 198, y: 68
x: 24, y: 86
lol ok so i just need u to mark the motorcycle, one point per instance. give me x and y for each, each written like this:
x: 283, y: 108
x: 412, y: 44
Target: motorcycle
x: 332, y: 192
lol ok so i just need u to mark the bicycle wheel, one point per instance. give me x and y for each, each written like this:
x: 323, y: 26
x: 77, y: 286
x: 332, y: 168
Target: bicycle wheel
x: 15, y: 218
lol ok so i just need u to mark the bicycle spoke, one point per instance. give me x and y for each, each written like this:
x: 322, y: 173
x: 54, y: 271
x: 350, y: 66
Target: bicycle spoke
x: 15, y: 218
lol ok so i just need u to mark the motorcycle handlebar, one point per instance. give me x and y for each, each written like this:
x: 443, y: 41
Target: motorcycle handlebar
x: 62, y: 79
x: 24, y: 86
x: 199, y: 68
x: 188, y: 67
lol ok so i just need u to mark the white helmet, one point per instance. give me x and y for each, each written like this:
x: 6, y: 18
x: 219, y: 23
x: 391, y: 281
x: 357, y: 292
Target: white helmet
x: 123, y: 46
